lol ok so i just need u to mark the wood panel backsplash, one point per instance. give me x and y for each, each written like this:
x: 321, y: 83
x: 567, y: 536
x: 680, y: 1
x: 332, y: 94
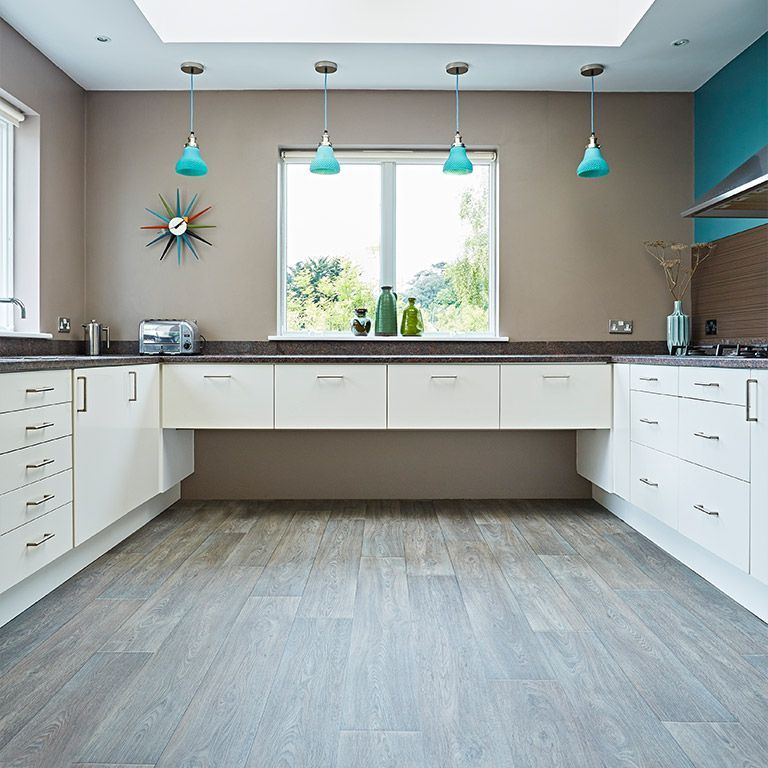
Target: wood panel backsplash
x: 731, y: 287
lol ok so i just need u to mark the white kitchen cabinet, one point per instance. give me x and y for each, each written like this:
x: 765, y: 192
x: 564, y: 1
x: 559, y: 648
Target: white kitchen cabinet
x: 443, y: 396
x: 30, y: 501
x: 20, y: 429
x: 330, y: 396
x: 557, y: 396
x: 655, y: 421
x: 757, y: 412
x: 654, y: 483
x: 116, y: 443
x: 657, y: 379
x: 717, y: 385
x: 218, y: 396
x: 28, y: 465
x: 31, y: 389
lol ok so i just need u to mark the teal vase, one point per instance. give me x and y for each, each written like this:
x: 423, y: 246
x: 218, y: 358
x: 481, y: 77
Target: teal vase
x: 386, y: 312
x: 678, y: 330
x: 412, y: 324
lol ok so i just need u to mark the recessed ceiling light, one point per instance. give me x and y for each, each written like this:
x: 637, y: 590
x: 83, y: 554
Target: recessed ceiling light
x: 681, y: 42
x: 103, y: 39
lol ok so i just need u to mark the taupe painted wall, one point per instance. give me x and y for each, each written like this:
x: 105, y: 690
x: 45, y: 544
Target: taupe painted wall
x: 570, y: 254
x: 30, y: 77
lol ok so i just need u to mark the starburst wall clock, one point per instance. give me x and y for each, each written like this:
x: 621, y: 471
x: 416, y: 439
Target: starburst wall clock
x: 178, y: 228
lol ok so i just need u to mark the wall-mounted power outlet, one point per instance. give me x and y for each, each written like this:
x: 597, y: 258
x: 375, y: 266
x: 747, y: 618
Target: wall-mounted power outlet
x: 65, y: 325
x: 620, y: 326
x: 710, y: 327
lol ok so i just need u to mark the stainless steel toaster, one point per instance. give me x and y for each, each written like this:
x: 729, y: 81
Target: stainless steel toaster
x: 169, y: 337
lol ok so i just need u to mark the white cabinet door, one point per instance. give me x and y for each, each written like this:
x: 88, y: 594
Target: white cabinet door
x: 31, y: 389
x: 560, y: 396
x: 654, y: 421
x: 654, y: 483
x: 758, y: 415
x: 331, y: 396
x: 443, y: 396
x: 658, y: 379
x: 719, y: 385
x: 116, y: 444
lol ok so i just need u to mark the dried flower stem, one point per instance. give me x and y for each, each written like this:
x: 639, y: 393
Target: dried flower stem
x: 678, y: 272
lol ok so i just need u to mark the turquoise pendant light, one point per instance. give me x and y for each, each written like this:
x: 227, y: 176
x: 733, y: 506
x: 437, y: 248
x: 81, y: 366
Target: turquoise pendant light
x: 324, y: 162
x: 594, y: 164
x: 457, y: 162
x: 191, y: 162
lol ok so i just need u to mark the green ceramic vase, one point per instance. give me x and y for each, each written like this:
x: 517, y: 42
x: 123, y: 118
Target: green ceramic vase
x: 386, y: 312
x: 412, y: 323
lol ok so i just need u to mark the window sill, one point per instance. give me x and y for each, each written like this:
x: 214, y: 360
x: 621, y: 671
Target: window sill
x: 24, y: 335
x: 348, y: 337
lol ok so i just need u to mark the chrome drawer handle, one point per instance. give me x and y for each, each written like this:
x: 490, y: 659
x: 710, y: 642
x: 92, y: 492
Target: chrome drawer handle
x: 46, y: 537
x: 44, y: 425
x: 329, y: 376
x: 648, y: 378
x: 706, y: 437
x: 749, y: 399
x: 43, y: 463
x: 133, y: 380
x: 217, y: 376
x: 706, y: 384
x: 46, y: 497
x: 553, y: 376
x: 84, y: 409
x: 649, y: 421
x: 444, y: 376
x: 648, y: 482
x: 36, y: 390
x: 702, y: 508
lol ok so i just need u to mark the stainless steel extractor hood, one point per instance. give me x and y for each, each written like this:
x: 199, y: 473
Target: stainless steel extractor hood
x: 742, y: 194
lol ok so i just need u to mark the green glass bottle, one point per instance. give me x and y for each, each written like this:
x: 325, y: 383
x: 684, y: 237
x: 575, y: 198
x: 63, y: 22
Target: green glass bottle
x: 386, y: 312
x: 412, y: 323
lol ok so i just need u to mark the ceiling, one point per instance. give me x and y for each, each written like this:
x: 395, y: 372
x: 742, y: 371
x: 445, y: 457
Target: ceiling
x: 508, y: 46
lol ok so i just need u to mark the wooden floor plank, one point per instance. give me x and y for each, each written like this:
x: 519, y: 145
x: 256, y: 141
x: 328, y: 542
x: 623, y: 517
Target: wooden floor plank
x: 55, y: 735
x: 157, y: 530
x: 380, y: 749
x: 541, y: 726
x: 508, y: 647
x: 261, y: 540
x: 383, y: 535
x: 300, y: 724
x: 457, y: 521
x: 219, y: 726
x: 146, y: 712
x: 286, y: 571
x: 332, y: 583
x: 539, y: 532
x: 718, y: 745
x: 614, y: 717
x: 760, y: 663
x: 669, y: 687
x: 541, y: 598
x: 28, y: 686
x: 380, y: 693
x: 425, y: 551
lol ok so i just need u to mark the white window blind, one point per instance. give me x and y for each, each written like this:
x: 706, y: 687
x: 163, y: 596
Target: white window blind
x: 6, y: 220
x: 10, y: 114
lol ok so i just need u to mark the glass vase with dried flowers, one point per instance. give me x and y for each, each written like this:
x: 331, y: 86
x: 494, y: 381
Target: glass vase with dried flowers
x: 680, y: 263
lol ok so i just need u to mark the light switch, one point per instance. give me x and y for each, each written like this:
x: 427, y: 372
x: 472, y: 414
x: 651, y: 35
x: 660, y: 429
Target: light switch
x: 620, y: 326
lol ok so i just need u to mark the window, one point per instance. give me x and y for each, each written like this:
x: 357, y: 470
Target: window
x: 6, y: 221
x: 389, y: 218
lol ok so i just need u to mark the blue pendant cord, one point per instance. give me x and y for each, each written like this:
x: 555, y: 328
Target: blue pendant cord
x: 325, y: 101
x: 592, y: 104
x: 457, y: 102
x: 191, y: 103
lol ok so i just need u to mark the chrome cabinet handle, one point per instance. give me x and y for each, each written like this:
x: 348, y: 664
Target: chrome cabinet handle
x: 35, y: 390
x: 46, y: 537
x: 132, y: 378
x: 705, y: 384
x: 749, y: 399
x: 329, y: 376
x: 649, y: 421
x: 43, y: 425
x: 217, y: 376
x: 43, y: 463
x: 84, y: 409
x: 648, y: 378
x: 706, y: 437
x: 702, y: 508
x: 443, y: 376
x: 46, y: 497
x: 553, y: 376
x: 648, y: 482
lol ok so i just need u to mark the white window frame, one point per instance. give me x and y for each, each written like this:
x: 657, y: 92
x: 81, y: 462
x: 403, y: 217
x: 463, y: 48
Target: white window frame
x: 388, y: 160
x: 6, y: 218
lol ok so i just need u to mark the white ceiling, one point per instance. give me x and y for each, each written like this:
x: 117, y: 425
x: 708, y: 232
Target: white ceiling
x: 138, y: 59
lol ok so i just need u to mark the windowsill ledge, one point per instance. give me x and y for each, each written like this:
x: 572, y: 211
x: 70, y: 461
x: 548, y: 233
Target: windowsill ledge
x: 24, y: 335
x: 348, y: 337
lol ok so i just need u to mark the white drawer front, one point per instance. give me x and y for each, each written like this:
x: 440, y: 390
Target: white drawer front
x: 331, y: 396
x: 556, y: 396
x: 19, y: 557
x: 661, y: 379
x: 654, y: 421
x: 715, y: 436
x: 719, y: 385
x: 31, y: 389
x: 25, y: 504
x: 19, y: 429
x: 443, y: 397
x: 714, y: 512
x: 28, y: 465
x: 654, y: 483
x: 217, y: 396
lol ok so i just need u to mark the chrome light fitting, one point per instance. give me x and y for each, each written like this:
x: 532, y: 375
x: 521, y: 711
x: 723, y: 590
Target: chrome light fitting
x: 324, y: 162
x: 593, y: 163
x: 457, y: 162
x: 191, y: 163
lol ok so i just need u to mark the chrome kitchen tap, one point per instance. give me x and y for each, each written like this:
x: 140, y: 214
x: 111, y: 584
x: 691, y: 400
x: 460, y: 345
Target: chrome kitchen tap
x: 18, y: 302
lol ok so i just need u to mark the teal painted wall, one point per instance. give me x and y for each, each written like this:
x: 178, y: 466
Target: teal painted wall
x: 730, y: 125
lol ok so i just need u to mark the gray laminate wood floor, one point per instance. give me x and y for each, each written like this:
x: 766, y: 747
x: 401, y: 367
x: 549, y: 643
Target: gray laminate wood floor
x: 385, y: 635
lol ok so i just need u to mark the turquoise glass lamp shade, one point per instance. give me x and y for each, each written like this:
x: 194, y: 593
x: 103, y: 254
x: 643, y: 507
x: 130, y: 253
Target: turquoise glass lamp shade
x: 191, y: 162
x: 457, y: 162
x: 324, y: 162
x: 594, y: 164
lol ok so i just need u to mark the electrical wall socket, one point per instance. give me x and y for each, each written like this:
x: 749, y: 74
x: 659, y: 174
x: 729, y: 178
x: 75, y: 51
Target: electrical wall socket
x: 620, y: 326
x: 65, y: 325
